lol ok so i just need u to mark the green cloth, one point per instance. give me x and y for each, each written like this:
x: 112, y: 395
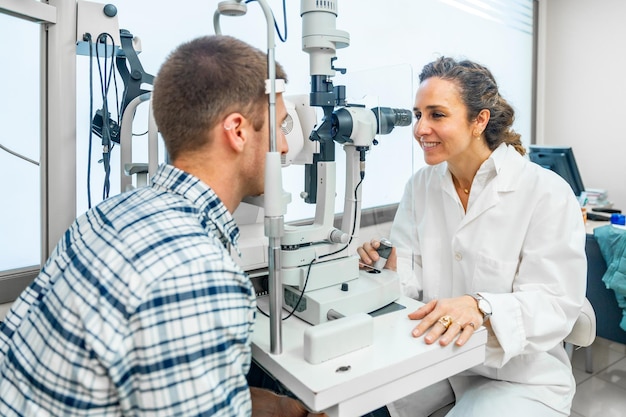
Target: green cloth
x: 612, y: 242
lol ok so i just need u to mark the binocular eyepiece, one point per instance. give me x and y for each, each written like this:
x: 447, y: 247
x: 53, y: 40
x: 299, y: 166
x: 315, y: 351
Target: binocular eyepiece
x: 387, y: 118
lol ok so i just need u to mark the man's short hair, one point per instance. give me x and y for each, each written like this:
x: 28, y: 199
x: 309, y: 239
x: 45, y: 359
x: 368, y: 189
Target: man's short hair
x: 204, y: 80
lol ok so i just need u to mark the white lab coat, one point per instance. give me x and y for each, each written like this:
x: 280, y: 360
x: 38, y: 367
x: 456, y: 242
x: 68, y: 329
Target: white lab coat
x: 521, y: 244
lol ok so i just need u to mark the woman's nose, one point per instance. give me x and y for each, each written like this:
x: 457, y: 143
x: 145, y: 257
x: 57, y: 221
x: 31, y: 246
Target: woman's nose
x: 419, y: 128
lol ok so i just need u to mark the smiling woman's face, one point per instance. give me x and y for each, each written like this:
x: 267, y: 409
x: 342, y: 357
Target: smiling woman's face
x: 442, y: 127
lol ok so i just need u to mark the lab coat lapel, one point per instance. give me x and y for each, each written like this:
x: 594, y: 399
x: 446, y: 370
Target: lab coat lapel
x: 508, y: 172
x: 487, y: 199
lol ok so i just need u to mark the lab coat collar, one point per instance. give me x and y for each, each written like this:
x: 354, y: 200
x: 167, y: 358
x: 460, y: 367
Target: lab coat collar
x: 508, y: 163
x: 501, y: 175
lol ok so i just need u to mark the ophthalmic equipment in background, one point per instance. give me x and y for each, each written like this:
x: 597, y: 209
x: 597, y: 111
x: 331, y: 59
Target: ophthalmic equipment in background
x: 314, y: 270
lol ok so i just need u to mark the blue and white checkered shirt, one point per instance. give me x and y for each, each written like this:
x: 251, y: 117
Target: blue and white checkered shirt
x: 140, y: 310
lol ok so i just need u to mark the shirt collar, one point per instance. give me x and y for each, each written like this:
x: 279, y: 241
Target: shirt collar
x: 213, y: 212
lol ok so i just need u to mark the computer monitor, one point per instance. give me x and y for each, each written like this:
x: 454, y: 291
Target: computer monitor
x: 559, y: 159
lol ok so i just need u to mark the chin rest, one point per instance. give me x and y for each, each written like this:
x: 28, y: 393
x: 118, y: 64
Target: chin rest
x: 584, y: 332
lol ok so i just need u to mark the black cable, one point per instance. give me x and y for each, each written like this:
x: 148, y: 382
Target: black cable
x: 103, y: 37
x: 308, y: 272
x: 354, y: 222
x: 105, y: 84
x: 276, y: 24
x: 284, y: 23
x: 306, y: 281
x: 106, y: 139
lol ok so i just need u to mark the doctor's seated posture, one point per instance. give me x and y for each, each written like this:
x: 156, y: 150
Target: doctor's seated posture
x: 140, y: 310
x: 489, y: 238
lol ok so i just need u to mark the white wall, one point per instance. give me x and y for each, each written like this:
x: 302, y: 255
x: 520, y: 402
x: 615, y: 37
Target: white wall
x: 389, y: 44
x: 386, y: 38
x: 582, y: 94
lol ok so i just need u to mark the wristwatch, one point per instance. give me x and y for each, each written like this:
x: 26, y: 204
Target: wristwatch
x: 484, y: 306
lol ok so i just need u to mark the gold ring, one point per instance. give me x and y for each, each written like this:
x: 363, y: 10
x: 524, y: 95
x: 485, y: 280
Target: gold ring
x: 445, y: 321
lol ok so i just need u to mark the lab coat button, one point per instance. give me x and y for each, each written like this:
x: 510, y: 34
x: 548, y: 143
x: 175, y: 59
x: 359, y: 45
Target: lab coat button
x: 458, y: 256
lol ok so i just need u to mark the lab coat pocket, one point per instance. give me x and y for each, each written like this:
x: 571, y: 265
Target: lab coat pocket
x: 494, y: 275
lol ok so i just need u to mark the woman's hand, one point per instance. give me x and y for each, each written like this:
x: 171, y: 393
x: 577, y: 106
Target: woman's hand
x: 447, y: 319
x: 369, y: 256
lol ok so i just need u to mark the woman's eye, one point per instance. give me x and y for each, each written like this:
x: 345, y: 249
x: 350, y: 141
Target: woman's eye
x: 417, y: 116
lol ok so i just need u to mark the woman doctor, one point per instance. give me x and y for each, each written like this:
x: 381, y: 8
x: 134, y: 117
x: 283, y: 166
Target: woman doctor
x: 490, y: 239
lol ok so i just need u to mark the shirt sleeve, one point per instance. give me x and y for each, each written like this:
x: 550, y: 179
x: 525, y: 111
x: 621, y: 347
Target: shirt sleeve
x: 549, y: 289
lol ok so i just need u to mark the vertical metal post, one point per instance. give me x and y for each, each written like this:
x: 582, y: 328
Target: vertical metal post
x: 274, y: 207
x: 274, y: 219
x: 275, y: 287
x: 58, y: 115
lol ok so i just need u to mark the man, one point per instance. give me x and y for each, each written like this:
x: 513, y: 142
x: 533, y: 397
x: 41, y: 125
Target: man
x: 140, y: 309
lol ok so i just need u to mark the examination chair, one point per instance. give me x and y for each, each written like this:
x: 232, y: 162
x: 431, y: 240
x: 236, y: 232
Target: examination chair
x: 604, y: 302
x: 583, y: 334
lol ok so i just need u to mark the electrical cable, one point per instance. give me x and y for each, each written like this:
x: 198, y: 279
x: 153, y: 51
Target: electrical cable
x: 332, y: 253
x: 25, y: 158
x: 308, y: 272
x: 101, y: 123
x: 106, y: 139
x: 355, y: 189
x: 105, y: 84
x: 284, y: 24
x: 276, y: 23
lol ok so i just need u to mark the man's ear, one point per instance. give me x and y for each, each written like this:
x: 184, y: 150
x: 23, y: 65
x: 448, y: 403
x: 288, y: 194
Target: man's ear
x: 234, y: 131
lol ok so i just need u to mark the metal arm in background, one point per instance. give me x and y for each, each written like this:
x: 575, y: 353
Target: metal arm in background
x: 135, y: 77
x: 127, y: 167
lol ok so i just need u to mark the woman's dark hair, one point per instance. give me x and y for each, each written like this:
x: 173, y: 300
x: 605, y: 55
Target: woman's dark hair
x: 479, y: 91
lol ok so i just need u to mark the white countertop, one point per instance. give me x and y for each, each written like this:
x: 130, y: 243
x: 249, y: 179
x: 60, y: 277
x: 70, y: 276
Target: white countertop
x: 395, y: 365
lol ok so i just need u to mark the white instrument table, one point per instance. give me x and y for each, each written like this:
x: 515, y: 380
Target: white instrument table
x: 395, y: 365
